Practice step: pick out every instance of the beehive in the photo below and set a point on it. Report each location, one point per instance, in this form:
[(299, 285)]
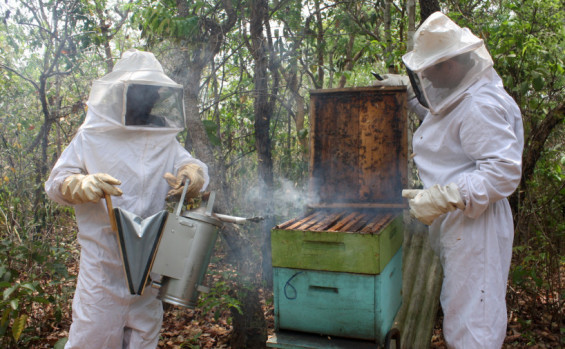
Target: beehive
[(343, 257)]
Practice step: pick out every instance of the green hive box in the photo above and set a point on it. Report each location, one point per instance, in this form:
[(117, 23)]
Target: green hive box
[(338, 304), (337, 251)]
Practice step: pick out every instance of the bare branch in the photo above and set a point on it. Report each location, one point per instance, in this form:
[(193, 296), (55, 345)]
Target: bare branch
[(3, 66)]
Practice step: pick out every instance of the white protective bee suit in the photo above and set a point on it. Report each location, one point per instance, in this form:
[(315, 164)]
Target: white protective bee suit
[(471, 138), (105, 314)]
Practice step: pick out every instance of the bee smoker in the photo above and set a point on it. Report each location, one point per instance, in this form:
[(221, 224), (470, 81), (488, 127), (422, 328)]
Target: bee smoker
[(176, 246), (184, 253), (185, 249)]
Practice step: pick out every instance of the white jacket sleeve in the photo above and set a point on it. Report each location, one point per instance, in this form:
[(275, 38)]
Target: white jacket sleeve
[(488, 138), (415, 107), (70, 162)]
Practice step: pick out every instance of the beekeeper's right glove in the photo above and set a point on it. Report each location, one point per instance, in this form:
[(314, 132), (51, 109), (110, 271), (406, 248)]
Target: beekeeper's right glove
[(193, 173), (396, 80), (428, 204), (79, 188)]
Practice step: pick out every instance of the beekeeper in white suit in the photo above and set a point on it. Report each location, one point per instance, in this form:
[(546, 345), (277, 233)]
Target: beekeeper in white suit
[(468, 151), (128, 139)]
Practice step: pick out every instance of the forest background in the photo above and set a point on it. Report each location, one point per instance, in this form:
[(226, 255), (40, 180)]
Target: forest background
[(247, 67)]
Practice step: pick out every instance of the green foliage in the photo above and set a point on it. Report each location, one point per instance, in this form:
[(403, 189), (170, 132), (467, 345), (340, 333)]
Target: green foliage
[(538, 262), (161, 19), (307, 50), (527, 43), (211, 130), (32, 264), (24, 267), (220, 298), (192, 342), (60, 343)]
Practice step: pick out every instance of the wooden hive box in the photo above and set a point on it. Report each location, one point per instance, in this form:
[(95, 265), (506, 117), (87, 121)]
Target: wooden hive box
[(358, 147), (343, 241), (338, 304), (358, 164)]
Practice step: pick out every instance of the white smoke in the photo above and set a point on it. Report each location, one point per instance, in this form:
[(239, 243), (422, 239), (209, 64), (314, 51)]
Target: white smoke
[(289, 198)]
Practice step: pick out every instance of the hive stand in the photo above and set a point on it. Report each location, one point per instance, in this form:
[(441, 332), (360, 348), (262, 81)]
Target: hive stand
[(291, 340)]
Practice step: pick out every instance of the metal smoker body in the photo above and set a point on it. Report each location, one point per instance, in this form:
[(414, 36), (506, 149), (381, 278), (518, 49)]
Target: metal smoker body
[(184, 253), (176, 246)]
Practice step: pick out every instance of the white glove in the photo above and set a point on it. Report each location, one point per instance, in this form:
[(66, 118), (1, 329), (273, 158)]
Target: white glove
[(396, 80), (428, 204), (193, 173), (78, 188)]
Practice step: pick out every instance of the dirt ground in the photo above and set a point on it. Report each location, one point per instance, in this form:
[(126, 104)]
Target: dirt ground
[(193, 329), (528, 327)]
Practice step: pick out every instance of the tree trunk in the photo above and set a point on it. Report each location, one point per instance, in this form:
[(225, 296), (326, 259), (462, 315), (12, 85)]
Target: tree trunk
[(388, 36), (319, 81), (300, 115), (239, 251), (262, 112), (411, 10), (249, 327), (427, 7), (533, 150), (537, 139), (350, 59)]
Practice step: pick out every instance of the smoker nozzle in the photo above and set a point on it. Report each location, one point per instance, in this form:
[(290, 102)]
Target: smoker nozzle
[(236, 220), (255, 219)]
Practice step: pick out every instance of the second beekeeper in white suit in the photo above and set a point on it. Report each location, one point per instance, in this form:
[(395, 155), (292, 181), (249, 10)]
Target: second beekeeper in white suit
[(468, 151), (124, 148)]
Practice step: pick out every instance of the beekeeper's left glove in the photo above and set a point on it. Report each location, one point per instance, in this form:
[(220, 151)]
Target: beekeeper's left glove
[(428, 204), (193, 173), (396, 80), (79, 188)]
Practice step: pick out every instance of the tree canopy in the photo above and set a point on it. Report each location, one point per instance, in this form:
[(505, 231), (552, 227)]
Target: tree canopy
[(247, 67)]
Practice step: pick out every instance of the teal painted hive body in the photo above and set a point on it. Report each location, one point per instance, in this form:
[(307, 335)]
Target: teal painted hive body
[(338, 304)]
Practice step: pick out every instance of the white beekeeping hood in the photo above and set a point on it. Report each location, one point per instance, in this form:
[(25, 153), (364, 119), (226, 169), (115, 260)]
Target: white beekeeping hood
[(108, 101), (437, 40)]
